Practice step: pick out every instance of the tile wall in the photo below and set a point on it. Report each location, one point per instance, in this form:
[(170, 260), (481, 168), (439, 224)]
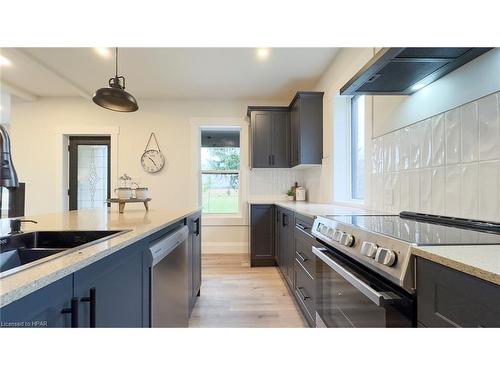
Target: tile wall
[(269, 184), (448, 164)]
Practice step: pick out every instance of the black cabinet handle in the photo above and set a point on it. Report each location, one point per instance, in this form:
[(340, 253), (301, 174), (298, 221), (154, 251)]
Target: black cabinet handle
[(197, 223), (301, 257), (302, 295), (269, 160), (284, 220), (300, 226), (272, 158), (92, 300), (73, 310)]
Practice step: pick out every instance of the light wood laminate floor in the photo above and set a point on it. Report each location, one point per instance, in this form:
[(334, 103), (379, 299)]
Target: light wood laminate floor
[(235, 295)]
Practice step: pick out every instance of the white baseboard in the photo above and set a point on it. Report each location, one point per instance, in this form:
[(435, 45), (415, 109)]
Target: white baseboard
[(224, 247)]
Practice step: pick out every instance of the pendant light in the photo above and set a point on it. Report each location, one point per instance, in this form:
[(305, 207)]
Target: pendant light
[(115, 97)]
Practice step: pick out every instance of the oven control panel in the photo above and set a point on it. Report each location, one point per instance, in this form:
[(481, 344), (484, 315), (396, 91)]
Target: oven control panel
[(336, 235), (386, 255)]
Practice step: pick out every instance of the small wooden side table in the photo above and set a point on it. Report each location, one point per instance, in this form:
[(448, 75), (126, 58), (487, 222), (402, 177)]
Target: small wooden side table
[(122, 202)]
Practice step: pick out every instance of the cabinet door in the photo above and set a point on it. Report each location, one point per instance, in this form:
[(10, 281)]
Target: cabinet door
[(277, 222), (295, 133), (194, 277), (42, 308), (287, 245), (262, 235), (280, 140), (117, 282), (261, 123)]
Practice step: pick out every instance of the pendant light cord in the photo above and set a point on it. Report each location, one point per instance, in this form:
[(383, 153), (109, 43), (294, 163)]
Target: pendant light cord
[(116, 61)]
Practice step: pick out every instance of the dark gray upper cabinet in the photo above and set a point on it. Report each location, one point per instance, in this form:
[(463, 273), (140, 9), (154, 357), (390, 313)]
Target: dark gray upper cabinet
[(270, 130), (117, 284), (47, 307), (306, 124), (284, 137), (449, 298), (262, 235)]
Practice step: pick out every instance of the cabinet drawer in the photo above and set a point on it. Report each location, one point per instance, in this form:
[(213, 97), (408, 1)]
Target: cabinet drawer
[(304, 254), (304, 223), (305, 292), (449, 298)]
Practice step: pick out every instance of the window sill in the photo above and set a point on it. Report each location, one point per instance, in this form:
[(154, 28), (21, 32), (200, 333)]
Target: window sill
[(351, 203), (224, 219)]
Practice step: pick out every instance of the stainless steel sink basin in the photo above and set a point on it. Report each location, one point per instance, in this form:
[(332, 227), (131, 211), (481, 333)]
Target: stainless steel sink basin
[(23, 250)]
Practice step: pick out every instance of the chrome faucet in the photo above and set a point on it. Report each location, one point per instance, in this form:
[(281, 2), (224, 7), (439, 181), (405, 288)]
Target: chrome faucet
[(15, 225)]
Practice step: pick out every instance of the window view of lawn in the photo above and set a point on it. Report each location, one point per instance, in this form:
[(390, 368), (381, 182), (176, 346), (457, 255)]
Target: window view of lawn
[(220, 179)]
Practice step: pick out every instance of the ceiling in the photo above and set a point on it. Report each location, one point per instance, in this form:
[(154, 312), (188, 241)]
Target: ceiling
[(174, 73)]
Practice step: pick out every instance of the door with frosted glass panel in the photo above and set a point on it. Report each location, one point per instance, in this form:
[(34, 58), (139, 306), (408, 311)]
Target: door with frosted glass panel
[(89, 172)]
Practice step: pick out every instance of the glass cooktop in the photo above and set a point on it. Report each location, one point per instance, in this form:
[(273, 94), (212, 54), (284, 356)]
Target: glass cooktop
[(421, 233)]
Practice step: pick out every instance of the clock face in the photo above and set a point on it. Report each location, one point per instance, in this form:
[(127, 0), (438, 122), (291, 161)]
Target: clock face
[(152, 161)]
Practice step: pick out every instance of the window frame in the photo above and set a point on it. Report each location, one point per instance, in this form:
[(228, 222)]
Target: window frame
[(239, 213), (351, 159)]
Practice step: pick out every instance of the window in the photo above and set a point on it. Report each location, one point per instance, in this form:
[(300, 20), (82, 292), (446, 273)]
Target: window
[(357, 148), (220, 171)]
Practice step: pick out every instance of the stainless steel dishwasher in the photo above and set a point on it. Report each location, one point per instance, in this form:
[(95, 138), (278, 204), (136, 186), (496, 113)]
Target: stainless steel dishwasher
[(169, 280)]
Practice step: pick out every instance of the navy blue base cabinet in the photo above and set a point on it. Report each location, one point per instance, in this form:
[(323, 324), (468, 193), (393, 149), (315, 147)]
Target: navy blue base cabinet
[(110, 291), (47, 307)]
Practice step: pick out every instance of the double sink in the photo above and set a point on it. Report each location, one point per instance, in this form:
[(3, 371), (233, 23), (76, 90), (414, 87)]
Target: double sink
[(20, 251)]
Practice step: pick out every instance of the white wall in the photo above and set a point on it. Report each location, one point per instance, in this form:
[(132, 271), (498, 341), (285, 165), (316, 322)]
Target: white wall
[(39, 154), (4, 108)]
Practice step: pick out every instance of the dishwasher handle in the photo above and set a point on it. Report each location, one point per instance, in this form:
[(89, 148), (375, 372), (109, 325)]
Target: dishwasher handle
[(165, 245)]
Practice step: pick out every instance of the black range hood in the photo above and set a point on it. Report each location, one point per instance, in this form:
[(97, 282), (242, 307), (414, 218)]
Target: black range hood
[(402, 71)]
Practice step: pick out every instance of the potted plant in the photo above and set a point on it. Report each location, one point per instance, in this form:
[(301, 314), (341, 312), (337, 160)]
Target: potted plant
[(290, 194)]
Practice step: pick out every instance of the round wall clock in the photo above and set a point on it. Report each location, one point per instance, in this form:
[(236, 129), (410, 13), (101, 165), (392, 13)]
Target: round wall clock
[(152, 160)]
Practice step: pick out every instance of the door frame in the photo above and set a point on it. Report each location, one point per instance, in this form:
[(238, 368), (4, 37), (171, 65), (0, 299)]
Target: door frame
[(74, 142)]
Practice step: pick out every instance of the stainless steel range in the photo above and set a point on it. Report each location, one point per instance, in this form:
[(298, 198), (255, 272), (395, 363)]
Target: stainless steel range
[(365, 271)]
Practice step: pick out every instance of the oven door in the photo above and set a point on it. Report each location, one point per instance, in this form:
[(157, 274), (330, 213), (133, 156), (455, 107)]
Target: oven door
[(348, 295)]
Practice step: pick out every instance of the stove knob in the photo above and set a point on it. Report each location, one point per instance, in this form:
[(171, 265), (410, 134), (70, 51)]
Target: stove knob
[(385, 256), (347, 239), (369, 249)]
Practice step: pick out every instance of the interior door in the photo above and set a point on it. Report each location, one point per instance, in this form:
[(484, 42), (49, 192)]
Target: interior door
[(89, 172)]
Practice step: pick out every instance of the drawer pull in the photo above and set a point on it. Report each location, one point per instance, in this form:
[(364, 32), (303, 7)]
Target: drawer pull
[(301, 257), (302, 295)]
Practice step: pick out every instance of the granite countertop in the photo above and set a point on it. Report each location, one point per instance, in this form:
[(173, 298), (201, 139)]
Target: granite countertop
[(141, 224), (482, 261), (318, 209)]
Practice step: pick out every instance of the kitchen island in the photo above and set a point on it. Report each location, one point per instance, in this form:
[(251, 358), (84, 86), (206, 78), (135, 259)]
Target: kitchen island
[(140, 229)]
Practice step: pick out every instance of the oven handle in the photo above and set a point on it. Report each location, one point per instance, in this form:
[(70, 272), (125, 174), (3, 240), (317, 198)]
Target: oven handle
[(364, 288)]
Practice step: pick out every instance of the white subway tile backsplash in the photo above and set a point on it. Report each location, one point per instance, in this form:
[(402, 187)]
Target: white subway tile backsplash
[(438, 186), (453, 190), (414, 191), (448, 164), (488, 191), (438, 140), (470, 186), (425, 190), (426, 151), (489, 138), (404, 154), (404, 191), (470, 132), (416, 138), (453, 136)]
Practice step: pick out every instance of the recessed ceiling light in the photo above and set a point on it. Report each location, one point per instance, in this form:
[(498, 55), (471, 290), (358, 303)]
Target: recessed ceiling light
[(103, 52), (4, 61), (263, 53)]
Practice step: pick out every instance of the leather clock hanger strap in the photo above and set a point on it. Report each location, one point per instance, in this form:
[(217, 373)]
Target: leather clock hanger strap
[(153, 135)]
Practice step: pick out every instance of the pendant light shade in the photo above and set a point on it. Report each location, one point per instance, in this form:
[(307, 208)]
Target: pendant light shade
[(114, 97)]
